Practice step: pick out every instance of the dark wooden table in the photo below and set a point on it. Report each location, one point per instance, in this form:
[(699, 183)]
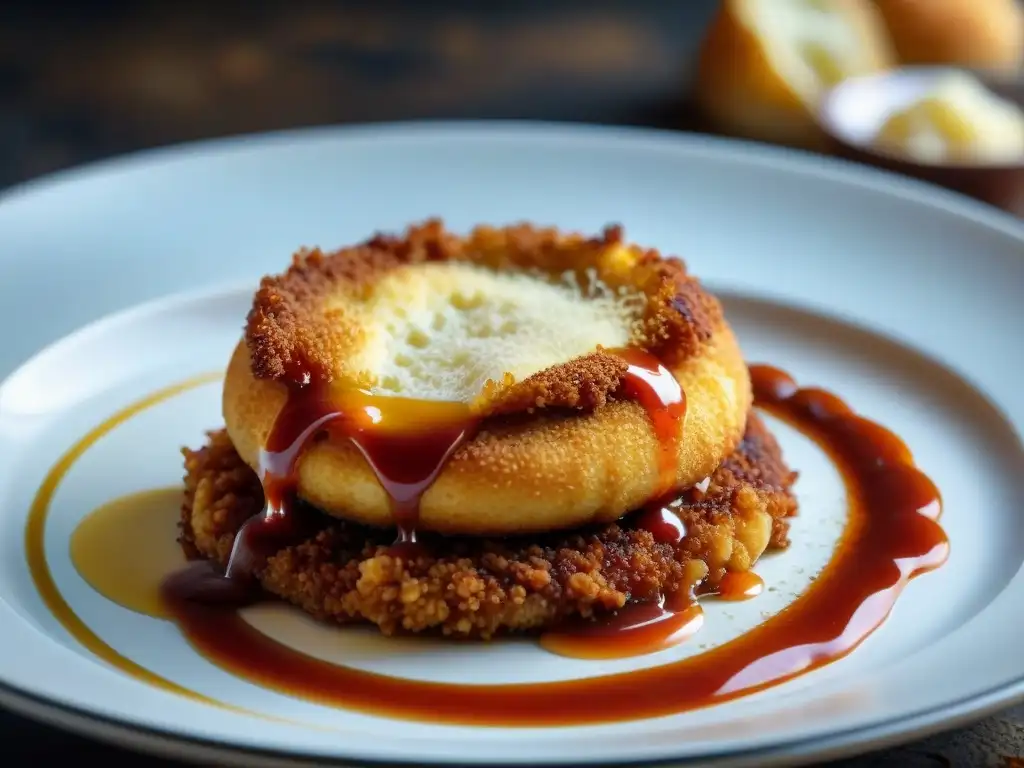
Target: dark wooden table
[(85, 81)]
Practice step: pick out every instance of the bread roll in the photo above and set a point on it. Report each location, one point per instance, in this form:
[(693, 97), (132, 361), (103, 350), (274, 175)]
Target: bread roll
[(969, 33), (764, 66)]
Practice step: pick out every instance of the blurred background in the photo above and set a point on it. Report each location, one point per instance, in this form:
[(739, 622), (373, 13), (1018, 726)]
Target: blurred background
[(81, 81)]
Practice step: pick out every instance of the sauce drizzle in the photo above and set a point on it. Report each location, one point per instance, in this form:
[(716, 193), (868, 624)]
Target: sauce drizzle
[(653, 386), (405, 442), (734, 586), (637, 629), (662, 523), (892, 536)]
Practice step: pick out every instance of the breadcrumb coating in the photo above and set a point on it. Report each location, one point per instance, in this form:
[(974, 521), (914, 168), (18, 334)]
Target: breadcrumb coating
[(295, 333), (584, 383), (471, 587)]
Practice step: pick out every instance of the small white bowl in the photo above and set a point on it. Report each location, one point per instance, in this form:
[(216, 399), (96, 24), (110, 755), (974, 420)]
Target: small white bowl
[(853, 112)]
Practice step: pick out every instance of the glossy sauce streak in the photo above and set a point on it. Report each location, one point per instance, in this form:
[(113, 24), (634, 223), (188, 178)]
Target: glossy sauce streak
[(638, 629), (644, 628), (735, 585), (405, 442), (653, 386), (662, 523), (892, 535)]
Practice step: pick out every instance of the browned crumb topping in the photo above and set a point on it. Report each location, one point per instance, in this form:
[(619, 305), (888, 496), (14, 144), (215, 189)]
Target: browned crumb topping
[(293, 338), (477, 587), (755, 474), (584, 383)]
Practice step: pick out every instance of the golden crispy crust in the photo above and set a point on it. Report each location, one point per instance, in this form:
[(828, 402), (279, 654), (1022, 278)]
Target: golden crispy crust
[(478, 587), (741, 90), (293, 337), (542, 459), (522, 472), (585, 383)]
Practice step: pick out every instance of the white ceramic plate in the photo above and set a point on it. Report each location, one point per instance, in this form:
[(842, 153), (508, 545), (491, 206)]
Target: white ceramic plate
[(904, 300)]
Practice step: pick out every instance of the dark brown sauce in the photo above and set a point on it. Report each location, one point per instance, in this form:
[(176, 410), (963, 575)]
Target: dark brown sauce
[(662, 523), (642, 628), (735, 585), (405, 442), (891, 537), (652, 385), (131, 575), (636, 630)]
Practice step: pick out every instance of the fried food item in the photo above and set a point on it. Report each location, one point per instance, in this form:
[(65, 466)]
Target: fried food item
[(519, 322), (481, 587), (987, 34), (763, 67)]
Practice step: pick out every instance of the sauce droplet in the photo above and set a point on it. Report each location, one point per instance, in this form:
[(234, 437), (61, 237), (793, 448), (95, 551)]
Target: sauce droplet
[(405, 442), (892, 536), (662, 522), (635, 630), (735, 585), (649, 383)]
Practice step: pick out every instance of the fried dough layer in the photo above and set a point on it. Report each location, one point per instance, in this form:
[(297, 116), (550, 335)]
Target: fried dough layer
[(518, 322), (481, 587)]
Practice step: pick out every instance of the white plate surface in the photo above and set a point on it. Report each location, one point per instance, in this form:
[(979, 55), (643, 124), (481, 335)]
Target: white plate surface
[(904, 300)]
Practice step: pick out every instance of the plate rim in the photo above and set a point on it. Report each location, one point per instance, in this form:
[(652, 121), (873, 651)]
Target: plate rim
[(168, 743), (794, 160), (615, 138)]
